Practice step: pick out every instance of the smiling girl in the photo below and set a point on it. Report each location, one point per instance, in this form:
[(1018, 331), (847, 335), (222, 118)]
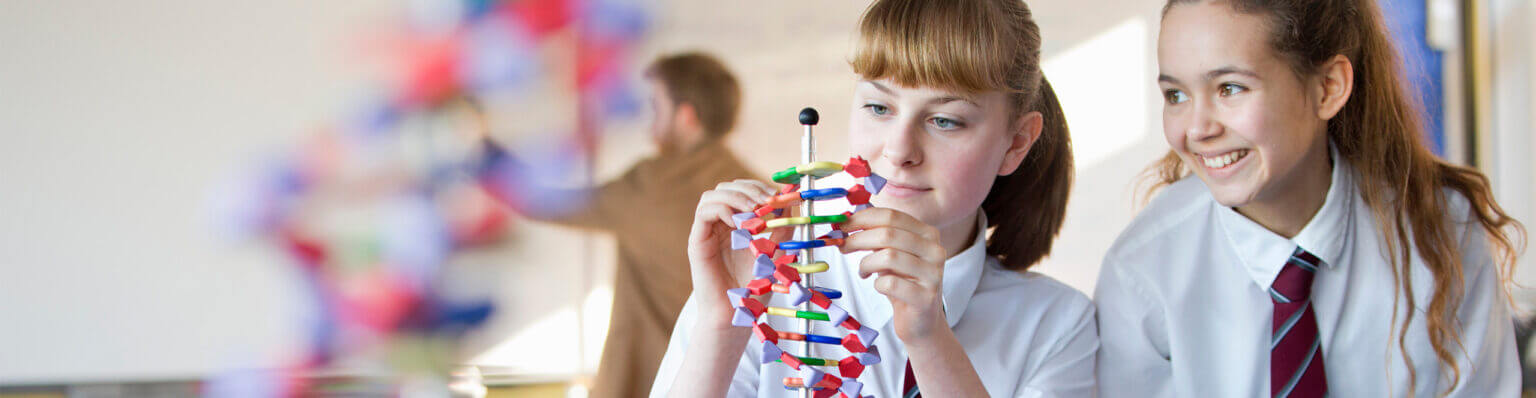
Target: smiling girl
[(952, 108), (1320, 248)]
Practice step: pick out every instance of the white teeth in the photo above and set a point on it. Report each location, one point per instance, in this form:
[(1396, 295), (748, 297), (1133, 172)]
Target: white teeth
[(1223, 160)]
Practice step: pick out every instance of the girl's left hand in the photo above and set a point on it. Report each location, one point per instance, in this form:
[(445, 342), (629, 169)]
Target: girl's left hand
[(909, 259)]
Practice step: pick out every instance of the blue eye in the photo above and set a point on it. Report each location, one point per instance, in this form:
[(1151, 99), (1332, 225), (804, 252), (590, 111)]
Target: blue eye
[(1175, 97), (877, 109), (945, 123), (1229, 89)]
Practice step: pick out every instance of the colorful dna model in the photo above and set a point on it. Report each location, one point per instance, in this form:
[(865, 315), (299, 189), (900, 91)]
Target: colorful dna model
[(792, 274)]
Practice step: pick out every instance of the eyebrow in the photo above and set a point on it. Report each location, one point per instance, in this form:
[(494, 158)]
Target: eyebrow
[(1213, 74), (1226, 70), (940, 100), (949, 99), (881, 87)]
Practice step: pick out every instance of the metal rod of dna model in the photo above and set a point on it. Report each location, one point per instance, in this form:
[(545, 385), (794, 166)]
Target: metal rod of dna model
[(808, 118)]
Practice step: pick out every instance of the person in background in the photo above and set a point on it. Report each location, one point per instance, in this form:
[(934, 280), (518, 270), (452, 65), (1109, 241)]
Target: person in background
[(649, 209)]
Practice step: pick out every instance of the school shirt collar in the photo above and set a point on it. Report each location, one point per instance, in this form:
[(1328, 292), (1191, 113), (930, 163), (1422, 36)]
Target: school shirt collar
[(1263, 253), (962, 273)]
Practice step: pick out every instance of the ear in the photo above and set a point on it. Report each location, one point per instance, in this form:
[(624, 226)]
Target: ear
[(686, 117), (1337, 82), (1026, 131)]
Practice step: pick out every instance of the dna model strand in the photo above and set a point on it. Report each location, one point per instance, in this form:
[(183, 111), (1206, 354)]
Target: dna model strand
[(792, 274)]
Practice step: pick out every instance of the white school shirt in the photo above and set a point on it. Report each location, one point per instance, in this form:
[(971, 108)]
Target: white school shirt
[(1184, 308), (1027, 335)]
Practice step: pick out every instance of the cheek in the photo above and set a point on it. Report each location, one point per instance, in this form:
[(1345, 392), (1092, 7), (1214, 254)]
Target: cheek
[(1174, 127), (863, 138), (1262, 130), (973, 169)]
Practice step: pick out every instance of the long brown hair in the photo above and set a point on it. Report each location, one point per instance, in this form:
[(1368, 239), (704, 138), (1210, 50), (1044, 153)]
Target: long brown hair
[(1379, 132), (980, 46)]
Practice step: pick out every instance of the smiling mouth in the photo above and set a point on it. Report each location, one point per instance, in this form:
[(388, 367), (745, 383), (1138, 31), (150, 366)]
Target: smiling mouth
[(1222, 160)]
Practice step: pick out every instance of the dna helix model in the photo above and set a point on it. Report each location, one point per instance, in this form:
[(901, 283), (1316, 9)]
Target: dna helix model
[(792, 275)]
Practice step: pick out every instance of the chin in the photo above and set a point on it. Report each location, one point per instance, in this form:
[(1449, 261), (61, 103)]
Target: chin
[(891, 203), (1232, 196), (1233, 189), (901, 205)]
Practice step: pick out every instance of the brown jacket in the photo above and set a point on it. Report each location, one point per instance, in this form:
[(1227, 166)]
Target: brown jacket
[(649, 210)]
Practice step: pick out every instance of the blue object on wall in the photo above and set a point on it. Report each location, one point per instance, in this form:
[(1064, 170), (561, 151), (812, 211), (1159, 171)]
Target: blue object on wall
[(1407, 20)]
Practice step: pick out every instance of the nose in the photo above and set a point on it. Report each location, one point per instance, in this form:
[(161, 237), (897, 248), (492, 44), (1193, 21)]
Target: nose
[(901, 148), (1203, 124)]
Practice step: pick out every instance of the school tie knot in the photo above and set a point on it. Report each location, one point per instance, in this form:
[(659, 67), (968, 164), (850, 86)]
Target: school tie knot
[(1294, 284)]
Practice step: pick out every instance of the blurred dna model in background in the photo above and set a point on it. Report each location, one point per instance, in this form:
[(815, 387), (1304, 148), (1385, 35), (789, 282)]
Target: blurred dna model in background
[(372, 209)]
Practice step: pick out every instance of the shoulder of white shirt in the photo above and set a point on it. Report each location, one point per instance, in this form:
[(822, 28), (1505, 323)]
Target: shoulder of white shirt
[(1032, 287), (1459, 213), (1174, 206)]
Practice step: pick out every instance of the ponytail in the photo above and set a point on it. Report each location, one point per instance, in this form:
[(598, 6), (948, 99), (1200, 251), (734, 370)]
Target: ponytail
[(1027, 207)]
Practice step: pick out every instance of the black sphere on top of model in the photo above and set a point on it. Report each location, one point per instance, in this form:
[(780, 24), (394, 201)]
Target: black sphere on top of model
[(809, 117)]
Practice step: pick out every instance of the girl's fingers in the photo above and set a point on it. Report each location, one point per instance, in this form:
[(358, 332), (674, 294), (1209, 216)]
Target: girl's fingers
[(723, 214), (747, 191), (736, 201), (761, 187), (741, 195), (876, 217), (903, 290), (700, 231), (717, 205), (895, 238), (890, 262), (704, 222), (752, 188)]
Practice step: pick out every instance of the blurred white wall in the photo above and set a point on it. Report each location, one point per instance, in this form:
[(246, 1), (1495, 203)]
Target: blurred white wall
[(118, 118), (1510, 124)]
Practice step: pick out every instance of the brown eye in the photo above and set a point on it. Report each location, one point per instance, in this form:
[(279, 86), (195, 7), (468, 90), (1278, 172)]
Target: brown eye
[(1230, 89), (1175, 97)]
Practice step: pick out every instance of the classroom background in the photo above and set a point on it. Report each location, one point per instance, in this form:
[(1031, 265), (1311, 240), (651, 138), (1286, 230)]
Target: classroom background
[(134, 260)]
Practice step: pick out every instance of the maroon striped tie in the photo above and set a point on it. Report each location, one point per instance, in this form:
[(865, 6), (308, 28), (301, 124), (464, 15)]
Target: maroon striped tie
[(909, 383), (1295, 350)]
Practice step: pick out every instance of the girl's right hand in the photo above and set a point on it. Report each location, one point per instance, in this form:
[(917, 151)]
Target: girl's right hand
[(713, 265)]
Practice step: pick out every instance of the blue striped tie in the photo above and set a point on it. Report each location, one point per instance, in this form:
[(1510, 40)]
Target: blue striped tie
[(1295, 350)]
